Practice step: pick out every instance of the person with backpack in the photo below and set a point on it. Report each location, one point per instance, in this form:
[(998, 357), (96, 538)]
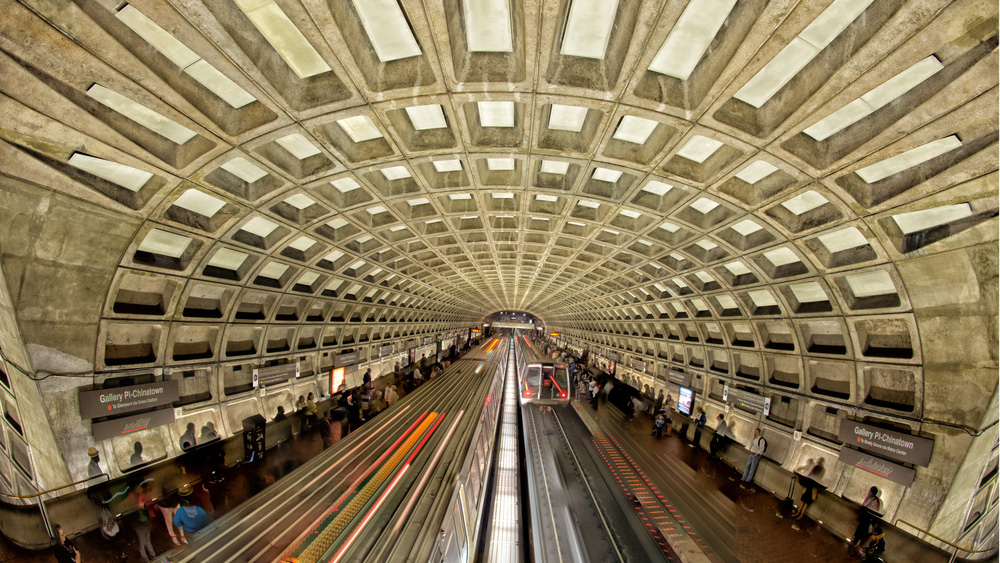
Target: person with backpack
[(758, 445)]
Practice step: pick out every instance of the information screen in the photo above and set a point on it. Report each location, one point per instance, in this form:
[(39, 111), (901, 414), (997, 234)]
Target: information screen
[(685, 401)]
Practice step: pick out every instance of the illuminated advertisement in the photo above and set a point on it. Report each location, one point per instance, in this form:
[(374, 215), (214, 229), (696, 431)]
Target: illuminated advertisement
[(685, 401), (336, 379)]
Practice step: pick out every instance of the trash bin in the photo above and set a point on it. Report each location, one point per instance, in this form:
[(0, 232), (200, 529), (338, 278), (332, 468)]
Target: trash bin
[(254, 438)]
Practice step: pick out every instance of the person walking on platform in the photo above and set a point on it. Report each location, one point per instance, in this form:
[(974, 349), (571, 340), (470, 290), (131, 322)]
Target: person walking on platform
[(721, 433), (811, 486), (391, 396), (699, 422), (595, 393), (658, 403), (141, 523), (757, 447)]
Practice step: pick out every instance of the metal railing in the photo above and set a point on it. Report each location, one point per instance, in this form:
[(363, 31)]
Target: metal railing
[(956, 547), (41, 501)]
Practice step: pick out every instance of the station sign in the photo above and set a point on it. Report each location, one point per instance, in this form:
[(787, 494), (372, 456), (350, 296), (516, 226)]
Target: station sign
[(613, 356), (747, 400), (891, 471), (638, 364), (121, 400), (427, 340), (554, 334), (678, 377), (341, 360), (889, 444), (386, 349), (476, 331), (412, 343), (273, 375), (129, 424)]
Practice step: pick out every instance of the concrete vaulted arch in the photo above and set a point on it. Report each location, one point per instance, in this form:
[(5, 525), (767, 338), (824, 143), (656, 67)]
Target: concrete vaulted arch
[(796, 197)]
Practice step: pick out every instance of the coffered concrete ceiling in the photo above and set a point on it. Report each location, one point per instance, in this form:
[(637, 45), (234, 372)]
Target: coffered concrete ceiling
[(794, 195)]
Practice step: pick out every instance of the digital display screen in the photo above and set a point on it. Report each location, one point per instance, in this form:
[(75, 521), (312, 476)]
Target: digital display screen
[(613, 368), (685, 401)]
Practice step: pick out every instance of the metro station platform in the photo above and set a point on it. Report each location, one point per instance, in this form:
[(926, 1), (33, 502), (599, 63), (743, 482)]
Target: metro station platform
[(705, 494)]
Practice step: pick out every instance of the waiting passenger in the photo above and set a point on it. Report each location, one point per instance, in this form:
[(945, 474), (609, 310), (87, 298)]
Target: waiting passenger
[(311, 410), (699, 422), (136, 458), (300, 404), (64, 550), (281, 414), (658, 425), (718, 441), (190, 518), (868, 514)]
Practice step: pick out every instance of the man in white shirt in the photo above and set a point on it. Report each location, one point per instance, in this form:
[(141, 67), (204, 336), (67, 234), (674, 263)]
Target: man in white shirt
[(757, 446), (721, 433)]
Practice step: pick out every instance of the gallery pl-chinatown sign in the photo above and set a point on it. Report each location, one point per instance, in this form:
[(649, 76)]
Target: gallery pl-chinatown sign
[(889, 444), (122, 400)]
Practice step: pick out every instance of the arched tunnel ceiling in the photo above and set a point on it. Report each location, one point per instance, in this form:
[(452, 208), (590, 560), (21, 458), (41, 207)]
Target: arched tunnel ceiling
[(782, 178)]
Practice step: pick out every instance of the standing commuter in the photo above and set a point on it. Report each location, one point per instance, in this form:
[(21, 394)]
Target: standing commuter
[(64, 550), (868, 514), (721, 433), (390, 395), (658, 403), (699, 422), (141, 522), (658, 425), (757, 446)]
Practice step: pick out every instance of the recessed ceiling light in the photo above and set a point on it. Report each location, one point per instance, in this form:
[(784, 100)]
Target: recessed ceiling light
[(273, 270), (487, 25), (874, 99), (554, 167), (164, 243), (459, 197), (631, 214), (704, 205), (762, 298), (418, 201), (670, 227), (244, 170), (588, 28), (756, 172), (588, 204), (359, 128), (298, 146), (567, 118), (395, 173), (302, 244), (699, 148), (496, 114), (805, 202), (843, 239), (448, 165), (185, 58), (916, 221), (500, 164), (337, 223), (896, 164), (131, 179), (363, 239), (307, 279), (546, 197), (706, 245), (142, 115), (260, 226), (376, 210), (345, 184), (502, 195), (800, 51), (634, 129), (300, 201), (746, 227), (227, 259), (199, 202), (689, 39), (781, 256), (387, 28), (871, 284), (426, 117), (657, 188), (606, 175), (284, 37), (809, 292), (737, 268)]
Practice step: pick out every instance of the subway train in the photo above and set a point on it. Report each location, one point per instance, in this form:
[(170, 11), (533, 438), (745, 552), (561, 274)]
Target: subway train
[(540, 380)]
